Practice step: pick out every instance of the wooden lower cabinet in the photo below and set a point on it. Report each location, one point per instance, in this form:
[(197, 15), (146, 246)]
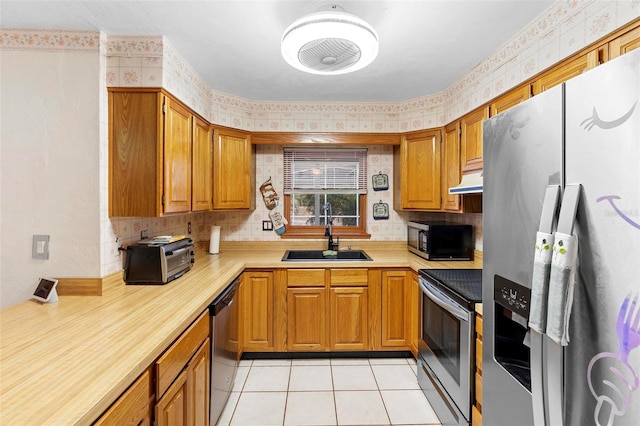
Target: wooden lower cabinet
[(182, 378), (306, 319), (256, 311), (348, 319), (327, 310), (186, 402), (172, 408), (394, 309), (133, 407), (198, 378)]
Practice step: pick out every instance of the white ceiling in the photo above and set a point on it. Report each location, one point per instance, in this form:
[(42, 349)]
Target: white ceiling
[(425, 45)]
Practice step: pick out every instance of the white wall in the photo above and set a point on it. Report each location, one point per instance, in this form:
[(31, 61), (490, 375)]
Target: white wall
[(49, 177)]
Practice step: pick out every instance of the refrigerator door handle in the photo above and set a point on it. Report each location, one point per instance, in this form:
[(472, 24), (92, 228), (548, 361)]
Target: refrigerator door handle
[(538, 395), (569, 208), (553, 352)]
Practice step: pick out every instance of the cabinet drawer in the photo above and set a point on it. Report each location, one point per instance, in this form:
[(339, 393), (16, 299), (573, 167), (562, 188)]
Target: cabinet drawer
[(305, 278), (349, 278), (133, 407), (174, 360)]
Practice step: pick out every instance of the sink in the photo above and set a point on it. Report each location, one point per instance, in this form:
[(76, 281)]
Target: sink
[(317, 256)]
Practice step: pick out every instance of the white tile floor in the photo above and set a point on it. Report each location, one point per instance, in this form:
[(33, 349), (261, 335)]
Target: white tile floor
[(367, 391)]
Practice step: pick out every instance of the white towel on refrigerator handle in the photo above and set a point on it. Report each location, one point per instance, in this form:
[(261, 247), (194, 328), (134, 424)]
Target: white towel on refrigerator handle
[(540, 281), (561, 287)]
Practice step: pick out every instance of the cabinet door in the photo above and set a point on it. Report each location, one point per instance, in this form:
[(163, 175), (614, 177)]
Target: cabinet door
[(471, 139), (510, 99), (451, 174), (418, 162), (173, 408), (306, 319), (394, 307), (564, 71), (202, 163), (348, 318), (257, 311), (135, 153), (198, 378), (177, 158), (133, 407), (233, 180), (625, 43)]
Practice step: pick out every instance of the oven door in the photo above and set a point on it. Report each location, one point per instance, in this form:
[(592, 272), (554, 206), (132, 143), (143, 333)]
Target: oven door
[(445, 347)]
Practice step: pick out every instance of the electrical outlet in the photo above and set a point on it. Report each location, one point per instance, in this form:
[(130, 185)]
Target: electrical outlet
[(188, 227), (144, 234), (267, 225)]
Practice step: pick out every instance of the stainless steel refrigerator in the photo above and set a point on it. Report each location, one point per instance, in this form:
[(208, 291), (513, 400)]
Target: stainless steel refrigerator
[(567, 159)]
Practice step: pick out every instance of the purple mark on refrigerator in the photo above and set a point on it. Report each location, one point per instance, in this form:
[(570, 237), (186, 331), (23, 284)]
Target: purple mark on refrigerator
[(620, 213), (595, 120), (611, 378)]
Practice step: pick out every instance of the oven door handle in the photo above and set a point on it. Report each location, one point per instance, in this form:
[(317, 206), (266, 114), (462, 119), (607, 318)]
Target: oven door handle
[(456, 311)]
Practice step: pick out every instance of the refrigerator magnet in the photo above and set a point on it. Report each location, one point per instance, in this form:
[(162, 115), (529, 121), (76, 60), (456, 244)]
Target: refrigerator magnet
[(380, 182), (380, 210)]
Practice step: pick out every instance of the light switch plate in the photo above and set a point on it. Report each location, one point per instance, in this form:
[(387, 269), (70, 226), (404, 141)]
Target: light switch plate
[(40, 247)]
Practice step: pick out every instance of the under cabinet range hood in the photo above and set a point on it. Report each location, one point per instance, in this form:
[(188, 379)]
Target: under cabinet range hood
[(471, 183)]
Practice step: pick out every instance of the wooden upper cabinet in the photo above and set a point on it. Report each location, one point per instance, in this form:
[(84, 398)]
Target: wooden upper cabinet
[(625, 43), (233, 170), (149, 154), (135, 153), (417, 171), (510, 99), (202, 166), (451, 173), (177, 157), (565, 70), (471, 139)]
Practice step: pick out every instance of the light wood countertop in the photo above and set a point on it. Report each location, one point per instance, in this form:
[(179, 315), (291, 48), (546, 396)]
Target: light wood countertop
[(66, 362)]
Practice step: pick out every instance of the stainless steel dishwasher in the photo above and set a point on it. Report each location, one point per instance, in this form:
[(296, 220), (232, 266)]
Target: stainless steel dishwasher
[(224, 348)]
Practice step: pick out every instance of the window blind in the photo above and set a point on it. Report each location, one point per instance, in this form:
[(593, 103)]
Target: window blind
[(313, 170)]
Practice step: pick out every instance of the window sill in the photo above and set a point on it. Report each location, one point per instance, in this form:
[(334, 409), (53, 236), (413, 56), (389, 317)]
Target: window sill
[(296, 234)]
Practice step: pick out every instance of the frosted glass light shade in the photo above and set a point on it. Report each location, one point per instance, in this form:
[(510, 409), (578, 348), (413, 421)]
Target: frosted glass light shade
[(329, 43)]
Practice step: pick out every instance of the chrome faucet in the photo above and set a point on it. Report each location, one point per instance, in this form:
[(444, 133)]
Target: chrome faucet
[(328, 232)]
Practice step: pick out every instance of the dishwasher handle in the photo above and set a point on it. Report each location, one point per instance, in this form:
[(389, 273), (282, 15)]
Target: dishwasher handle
[(225, 299)]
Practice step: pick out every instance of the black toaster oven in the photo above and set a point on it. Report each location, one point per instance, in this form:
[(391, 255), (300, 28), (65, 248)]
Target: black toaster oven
[(158, 262)]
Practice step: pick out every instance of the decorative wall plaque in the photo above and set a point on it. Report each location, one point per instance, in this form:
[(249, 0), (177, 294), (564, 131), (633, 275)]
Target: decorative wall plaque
[(380, 182)]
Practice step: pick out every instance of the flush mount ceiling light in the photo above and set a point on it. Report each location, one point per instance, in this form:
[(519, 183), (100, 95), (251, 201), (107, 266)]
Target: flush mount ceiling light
[(329, 43)]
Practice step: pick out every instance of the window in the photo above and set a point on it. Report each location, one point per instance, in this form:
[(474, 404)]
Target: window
[(317, 178)]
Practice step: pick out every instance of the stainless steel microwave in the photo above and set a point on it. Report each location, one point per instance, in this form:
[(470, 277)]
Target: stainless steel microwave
[(440, 240)]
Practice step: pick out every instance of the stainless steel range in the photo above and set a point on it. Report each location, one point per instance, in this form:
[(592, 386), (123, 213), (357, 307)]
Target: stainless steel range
[(446, 347)]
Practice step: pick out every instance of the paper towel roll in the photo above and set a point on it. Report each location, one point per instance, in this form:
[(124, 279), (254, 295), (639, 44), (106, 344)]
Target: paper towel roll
[(214, 240)]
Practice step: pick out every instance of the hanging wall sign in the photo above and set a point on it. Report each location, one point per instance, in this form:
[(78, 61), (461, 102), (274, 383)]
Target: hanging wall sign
[(380, 210), (380, 182)]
